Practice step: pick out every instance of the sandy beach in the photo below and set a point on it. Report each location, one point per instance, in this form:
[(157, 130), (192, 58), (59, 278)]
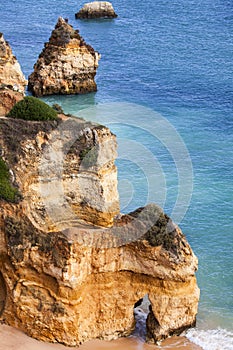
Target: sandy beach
[(13, 339)]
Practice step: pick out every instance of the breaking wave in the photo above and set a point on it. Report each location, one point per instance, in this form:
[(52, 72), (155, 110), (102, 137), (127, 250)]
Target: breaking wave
[(212, 339)]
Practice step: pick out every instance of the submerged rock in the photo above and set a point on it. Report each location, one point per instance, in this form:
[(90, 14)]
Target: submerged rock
[(72, 268), (96, 9), (67, 65)]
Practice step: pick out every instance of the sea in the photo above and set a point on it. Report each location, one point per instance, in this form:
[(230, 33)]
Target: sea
[(165, 88)]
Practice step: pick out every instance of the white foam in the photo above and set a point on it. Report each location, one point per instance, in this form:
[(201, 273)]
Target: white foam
[(212, 339)]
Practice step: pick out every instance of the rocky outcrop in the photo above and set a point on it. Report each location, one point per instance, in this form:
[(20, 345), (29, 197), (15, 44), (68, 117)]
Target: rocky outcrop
[(11, 75), (71, 267), (8, 98), (12, 81), (79, 158), (96, 9), (67, 65)]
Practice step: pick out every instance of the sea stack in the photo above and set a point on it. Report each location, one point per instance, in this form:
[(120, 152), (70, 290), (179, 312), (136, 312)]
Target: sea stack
[(96, 9), (66, 65), (12, 80), (73, 268)]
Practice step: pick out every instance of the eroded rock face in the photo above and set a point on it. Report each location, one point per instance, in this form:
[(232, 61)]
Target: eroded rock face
[(11, 75), (79, 158), (66, 279), (96, 9), (8, 98), (67, 65), (12, 81)]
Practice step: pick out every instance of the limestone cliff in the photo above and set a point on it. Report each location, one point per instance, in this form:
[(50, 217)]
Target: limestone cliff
[(10, 71), (12, 81), (67, 65), (96, 9), (71, 267)]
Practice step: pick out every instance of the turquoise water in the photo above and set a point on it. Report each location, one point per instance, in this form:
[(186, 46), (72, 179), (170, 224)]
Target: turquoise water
[(175, 60)]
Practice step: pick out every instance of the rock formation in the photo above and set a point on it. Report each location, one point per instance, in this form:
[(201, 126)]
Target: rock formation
[(66, 65), (12, 81), (11, 75), (71, 267), (8, 98), (96, 9)]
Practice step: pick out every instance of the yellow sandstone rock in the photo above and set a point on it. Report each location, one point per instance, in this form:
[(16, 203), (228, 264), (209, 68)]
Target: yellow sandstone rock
[(67, 65), (72, 268), (10, 71), (12, 80)]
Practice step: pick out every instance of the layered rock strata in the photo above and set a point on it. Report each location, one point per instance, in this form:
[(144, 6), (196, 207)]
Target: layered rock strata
[(72, 268), (67, 65), (96, 9)]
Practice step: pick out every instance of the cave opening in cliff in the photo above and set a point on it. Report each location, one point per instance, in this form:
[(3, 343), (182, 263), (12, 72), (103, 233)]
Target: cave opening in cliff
[(141, 310), (2, 293)]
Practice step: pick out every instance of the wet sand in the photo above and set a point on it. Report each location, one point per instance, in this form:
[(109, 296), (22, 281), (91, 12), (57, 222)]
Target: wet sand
[(13, 339)]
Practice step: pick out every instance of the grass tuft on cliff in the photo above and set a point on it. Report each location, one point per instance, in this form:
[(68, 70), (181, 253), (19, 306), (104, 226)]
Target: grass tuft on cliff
[(7, 191), (31, 108)]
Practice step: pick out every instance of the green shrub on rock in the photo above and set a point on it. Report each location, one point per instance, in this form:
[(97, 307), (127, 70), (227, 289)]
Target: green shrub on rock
[(31, 108), (7, 191)]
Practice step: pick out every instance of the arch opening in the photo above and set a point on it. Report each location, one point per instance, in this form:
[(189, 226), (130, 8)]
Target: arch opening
[(141, 311), (2, 294)]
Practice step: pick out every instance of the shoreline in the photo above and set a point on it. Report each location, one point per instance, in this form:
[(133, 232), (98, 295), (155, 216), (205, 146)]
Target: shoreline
[(14, 339)]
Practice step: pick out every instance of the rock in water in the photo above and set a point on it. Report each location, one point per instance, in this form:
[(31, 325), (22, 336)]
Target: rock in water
[(96, 9), (12, 80), (72, 268), (67, 65)]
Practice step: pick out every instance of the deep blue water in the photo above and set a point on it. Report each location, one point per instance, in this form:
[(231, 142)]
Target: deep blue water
[(174, 58)]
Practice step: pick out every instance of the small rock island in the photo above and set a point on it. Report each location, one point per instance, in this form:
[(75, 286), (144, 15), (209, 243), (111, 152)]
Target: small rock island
[(66, 65), (96, 9), (72, 267)]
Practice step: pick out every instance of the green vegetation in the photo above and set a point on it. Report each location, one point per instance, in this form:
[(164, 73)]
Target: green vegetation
[(7, 191), (31, 108)]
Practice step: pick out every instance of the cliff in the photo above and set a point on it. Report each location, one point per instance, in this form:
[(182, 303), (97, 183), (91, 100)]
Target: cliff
[(10, 71), (12, 81), (67, 65), (72, 268)]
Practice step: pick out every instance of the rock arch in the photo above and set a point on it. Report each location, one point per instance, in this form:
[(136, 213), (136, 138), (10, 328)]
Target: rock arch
[(141, 311)]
